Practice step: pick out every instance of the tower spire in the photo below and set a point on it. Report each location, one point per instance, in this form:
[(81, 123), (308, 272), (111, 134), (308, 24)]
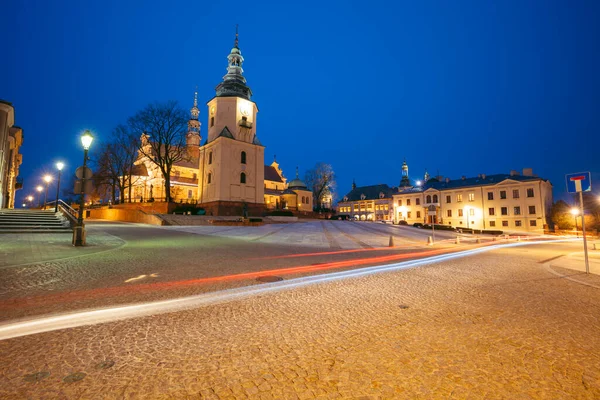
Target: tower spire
[(236, 42), (234, 83)]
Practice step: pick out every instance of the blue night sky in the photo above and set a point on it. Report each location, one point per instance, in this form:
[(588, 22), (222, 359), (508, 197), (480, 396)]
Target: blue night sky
[(457, 87)]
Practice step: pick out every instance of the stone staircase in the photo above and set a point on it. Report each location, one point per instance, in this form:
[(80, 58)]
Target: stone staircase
[(32, 221)]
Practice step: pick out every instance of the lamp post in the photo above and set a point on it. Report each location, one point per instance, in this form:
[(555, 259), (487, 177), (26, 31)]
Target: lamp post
[(467, 209), (47, 179), (575, 213), (59, 166), (79, 231), (39, 189)]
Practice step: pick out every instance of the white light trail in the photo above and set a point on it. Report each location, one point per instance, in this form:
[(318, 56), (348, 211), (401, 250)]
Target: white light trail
[(91, 317)]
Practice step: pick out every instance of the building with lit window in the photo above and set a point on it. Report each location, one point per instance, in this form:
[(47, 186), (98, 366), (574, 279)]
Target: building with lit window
[(508, 202), (11, 139), (368, 203)]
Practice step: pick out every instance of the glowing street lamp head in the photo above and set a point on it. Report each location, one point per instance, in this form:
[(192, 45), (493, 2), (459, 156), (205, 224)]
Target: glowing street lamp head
[(574, 211), (39, 188), (60, 165), (30, 198), (47, 178), (86, 139)]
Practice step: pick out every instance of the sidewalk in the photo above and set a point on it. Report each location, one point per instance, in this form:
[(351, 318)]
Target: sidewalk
[(27, 248)]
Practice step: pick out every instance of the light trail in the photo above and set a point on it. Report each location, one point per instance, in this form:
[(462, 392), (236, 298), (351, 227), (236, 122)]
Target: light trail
[(91, 317)]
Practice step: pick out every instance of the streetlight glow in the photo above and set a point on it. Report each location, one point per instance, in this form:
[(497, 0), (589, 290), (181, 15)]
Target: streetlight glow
[(60, 165), (418, 183), (86, 139), (48, 179), (574, 211)]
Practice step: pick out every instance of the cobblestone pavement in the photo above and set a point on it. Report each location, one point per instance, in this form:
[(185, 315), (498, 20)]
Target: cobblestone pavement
[(494, 325)]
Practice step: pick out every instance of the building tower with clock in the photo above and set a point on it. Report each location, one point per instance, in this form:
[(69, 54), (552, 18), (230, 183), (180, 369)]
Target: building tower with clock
[(231, 161)]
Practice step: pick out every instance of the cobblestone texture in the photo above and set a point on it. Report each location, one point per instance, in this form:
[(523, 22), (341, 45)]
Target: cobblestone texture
[(497, 325)]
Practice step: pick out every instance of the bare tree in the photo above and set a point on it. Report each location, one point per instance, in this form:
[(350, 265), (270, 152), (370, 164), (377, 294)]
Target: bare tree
[(165, 125), (321, 180)]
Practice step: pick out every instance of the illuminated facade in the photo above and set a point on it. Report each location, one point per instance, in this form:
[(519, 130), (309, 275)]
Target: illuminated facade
[(368, 203), (11, 139), (280, 194), (507, 202)]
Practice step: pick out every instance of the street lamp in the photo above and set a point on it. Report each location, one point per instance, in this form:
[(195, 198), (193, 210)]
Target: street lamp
[(466, 210), (59, 166), (47, 179), (39, 189), (79, 231), (575, 213)]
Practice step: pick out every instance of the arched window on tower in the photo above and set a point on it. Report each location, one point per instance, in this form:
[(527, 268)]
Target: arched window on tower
[(210, 157), (243, 157), (242, 178), (209, 179)]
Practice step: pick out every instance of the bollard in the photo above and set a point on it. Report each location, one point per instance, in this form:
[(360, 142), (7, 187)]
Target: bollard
[(458, 240), (391, 241), (429, 241), (478, 240), (518, 238), (594, 248)]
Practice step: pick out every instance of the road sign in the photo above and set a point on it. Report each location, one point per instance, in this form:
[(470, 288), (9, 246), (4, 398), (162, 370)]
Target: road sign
[(580, 182), (89, 186), (79, 173)]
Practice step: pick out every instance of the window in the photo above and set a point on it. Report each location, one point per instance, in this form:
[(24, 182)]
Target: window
[(492, 224), (491, 211), (243, 157), (209, 179), (460, 212), (418, 214), (449, 213), (517, 210), (448, 199), (195, 176), (504, 223), (212, 121), (530, 194), (377, 207), (435, 198), (408, 214), (531, 209), (190, 193), (533, 222), (517, 223), (210, 157), (503, 196), (242, 178), (428, 199), (490, 195), (459, 198), (408, 202), (356, 207), (400, 202), (471, 196), (418, 201), (515, 193), (504, 210)]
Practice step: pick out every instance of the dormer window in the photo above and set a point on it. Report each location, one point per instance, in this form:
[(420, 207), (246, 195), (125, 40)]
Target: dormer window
[(381, 195), (362, 197), (345, 198)]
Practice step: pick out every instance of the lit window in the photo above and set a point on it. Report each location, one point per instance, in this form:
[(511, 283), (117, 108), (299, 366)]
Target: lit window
[(471, 196), (408, 202), (408, 214), (530, 194), (515, 193), (448, 199), (449, 213), (459, 198), (531, 209), (533, 222), (460, 212), (490, 195), (212, 121), (418, 214), (517, 210), (503, 196), (492, 211)]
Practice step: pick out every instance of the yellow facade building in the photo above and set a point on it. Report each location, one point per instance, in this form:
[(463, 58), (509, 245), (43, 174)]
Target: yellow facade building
[(11, 139)]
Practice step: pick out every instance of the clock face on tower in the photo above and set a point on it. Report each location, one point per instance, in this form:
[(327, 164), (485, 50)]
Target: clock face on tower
[(245, 109)]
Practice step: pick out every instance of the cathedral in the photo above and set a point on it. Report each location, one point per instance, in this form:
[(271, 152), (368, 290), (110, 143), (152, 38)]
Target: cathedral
[(225, 175)]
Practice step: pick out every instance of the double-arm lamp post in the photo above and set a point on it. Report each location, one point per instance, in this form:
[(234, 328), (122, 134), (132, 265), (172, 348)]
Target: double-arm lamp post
[(79, 231), (59, 166)]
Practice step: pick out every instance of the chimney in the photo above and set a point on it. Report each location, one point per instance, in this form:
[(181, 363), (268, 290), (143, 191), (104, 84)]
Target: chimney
[(513, 173), (527, 171)]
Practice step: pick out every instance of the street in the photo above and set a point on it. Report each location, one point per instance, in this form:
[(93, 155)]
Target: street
[(300, 311)]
